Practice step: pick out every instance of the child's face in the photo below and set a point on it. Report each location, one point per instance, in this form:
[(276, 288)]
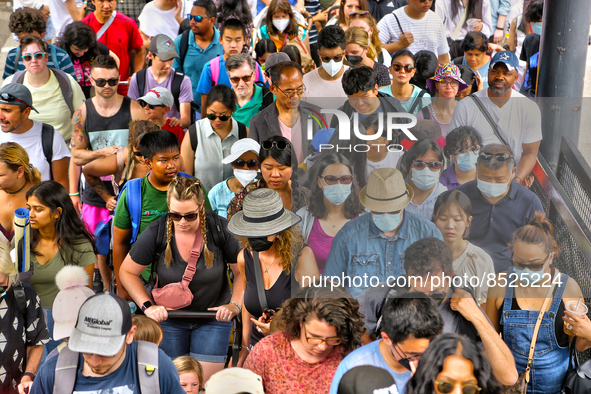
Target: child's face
[(165, 165), (156, 114), (189, 382), (232, 41)]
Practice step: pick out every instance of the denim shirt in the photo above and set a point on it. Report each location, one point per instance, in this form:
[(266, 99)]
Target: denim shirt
[(361, 251)]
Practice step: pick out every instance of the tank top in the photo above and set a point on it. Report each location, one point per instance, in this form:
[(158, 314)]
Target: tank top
[(105, 131)]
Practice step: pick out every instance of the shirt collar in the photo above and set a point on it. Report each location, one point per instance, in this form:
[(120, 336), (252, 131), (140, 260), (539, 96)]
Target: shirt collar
[(214, 41), (209, 130)]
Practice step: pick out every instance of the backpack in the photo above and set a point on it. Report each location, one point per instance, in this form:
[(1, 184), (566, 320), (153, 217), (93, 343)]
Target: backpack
[(193, 134), (267, 96), (47, 133), (184, 48), (215, 70), (147, 366), (418, 99), (177, 81), (63, 81), (133, 203)]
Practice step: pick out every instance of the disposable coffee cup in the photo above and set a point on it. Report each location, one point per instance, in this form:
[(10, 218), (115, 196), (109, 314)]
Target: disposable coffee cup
[(471, 23), (571, 306)]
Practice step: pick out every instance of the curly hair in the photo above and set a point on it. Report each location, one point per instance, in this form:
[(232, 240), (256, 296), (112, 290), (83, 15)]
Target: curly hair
[(433, 360), (289, 245), (428, 255), (336, 307), (81, 35), (457, 140), (26, 20)]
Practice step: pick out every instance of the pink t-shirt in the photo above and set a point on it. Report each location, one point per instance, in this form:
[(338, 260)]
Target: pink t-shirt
[(283, 371), (294, 134)]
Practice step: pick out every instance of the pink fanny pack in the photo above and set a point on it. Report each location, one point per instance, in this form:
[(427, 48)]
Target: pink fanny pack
[(177, 295)]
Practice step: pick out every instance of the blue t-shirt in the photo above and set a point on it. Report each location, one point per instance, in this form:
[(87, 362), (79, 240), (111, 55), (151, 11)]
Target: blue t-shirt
[(482, 70), (368, 355), (206, 82), (123, 380)]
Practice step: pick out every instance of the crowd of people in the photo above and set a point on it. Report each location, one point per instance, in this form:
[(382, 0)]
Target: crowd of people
[(342, 187)]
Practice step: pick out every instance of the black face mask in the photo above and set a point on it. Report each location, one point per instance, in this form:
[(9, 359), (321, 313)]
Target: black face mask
[(260, 244), (354, 61)]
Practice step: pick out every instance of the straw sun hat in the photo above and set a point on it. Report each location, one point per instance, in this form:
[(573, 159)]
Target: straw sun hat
[(386, 191)]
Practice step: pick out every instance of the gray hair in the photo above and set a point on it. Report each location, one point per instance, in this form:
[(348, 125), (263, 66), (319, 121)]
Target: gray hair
[(494, 164), (238, 60)]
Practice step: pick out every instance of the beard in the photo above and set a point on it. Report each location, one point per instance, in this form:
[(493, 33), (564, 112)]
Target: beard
[(499, 91)]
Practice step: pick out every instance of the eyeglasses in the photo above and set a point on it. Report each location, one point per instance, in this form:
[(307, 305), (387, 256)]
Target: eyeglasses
[(189, 217), (355, 14), (246, 78), (28, 58), (446, 387), (317, 341), (101, 82), (433, 165), (291, 93), (268, 145), (448, 83), (406, 360), (9, 98), (499, 156), (534, 267), (223, 118), (143, 104), (196, 18), (251, 164), (326, 59), (332, 180), (398, 67)]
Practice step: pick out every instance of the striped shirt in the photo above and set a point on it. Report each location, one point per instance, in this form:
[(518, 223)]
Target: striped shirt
[(428, 32), (62, 60), (313, 7)]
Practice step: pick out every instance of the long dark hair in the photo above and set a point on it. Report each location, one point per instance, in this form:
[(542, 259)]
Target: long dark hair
[(285, 7), (440, 348), (81, 35), (70, 229), (474, 9), (237, 9)]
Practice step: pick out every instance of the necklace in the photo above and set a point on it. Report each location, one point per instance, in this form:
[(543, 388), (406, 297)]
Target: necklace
[(269, 266), (525, 299), (15, 193)]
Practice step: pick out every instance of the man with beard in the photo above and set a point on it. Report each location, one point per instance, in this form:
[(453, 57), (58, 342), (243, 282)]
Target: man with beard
[(251, 97), (101, 128), (502, 115)]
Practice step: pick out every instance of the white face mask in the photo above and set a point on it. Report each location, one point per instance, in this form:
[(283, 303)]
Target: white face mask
[(332, 67), (280, 24), (245, 176)]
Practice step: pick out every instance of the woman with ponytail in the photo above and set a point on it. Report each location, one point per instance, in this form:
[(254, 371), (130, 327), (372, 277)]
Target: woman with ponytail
[(514, 303), (17, 176), (169, 242)]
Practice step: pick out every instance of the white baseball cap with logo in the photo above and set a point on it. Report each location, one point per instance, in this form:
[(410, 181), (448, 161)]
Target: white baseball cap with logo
[(158, 96), (103, 323)]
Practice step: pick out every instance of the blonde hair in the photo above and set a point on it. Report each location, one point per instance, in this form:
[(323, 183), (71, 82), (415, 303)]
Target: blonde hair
[(6, 265), (137, 129), (288, 245), (375, 45), (356, 35), (14, 156), (187, 364), (147, 329), (182, 189)]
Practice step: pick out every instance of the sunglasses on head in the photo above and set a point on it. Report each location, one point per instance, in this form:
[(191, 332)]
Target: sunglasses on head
[(196, 18), (447, 387), (356, 14), (223, 118), (433, 165), (499, 156), (101, 82), (332, 180), (251, 164), (246, 78), (398, 67), (189, 217), (143, 104), (268, 145), (9, 98), (38, 56)]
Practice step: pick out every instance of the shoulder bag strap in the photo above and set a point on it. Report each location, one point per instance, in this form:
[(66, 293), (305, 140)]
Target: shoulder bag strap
[(398, 21), (418, 99), (488, 118), (259, 277), (192, 265), (193, 136), (147, 361), (460, 24), (107, 24), (65, 371)]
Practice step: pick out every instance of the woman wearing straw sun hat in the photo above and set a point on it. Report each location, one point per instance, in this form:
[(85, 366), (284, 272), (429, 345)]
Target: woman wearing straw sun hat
[(274, 260)]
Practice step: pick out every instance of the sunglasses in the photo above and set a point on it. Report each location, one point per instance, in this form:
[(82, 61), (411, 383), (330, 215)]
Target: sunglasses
[(433, 165), (336, 58), (9, 98), (279, 145), (246, 78), (499, 156), (446, 387), (534, 267), (251, 164), (405, 361), (196, 18), (398, 67), (137, 153), (223, 118), (38, 56), (143, 104), (189, 217), (356, 14), (101, 82), (332, 180)]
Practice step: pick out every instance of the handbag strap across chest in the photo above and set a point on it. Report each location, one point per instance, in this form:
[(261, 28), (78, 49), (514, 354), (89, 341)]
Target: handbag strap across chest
[(194, 257)]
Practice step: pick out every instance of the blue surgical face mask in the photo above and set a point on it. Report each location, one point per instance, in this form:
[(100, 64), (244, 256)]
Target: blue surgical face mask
[(337, 194), (424, 179), (529, 276), (467, 161), (491, 190), (536, 27), (387, 221)]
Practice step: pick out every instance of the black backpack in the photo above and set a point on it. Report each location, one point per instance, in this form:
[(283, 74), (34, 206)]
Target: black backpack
[(177, 81), (193, 133)]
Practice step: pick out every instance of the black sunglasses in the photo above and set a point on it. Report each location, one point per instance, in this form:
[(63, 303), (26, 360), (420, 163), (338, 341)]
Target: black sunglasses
[(223, 118), (10, 98), (499, 156), (245, 78), (405, 361), (268, 145), (143, 104), (332, 179), (189, 217), (251, 164), (101, 82), (137, 153), (534, 267), (433, 165), (446, 387)]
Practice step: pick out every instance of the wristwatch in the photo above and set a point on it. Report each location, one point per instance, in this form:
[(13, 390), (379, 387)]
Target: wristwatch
[(146, 305)]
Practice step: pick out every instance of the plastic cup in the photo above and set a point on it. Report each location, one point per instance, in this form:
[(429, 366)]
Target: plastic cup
[(471, 24), (571, 306)]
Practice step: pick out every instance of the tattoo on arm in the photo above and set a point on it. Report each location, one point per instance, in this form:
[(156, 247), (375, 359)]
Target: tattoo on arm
[(78, 134), (99, 186)]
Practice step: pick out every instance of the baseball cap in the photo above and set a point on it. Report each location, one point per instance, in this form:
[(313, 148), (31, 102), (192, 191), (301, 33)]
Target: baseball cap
[(274, 59), (240, 147), (234, 381), (367, 379), (158, 96), (16, 94), (507, 57), (163, 46), (103, 323)]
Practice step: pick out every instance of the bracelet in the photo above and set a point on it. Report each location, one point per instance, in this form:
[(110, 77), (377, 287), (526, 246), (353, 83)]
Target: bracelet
[(30, 374), (74, 194), (239, 307), (249, 348), (499, 28), (520, 180)]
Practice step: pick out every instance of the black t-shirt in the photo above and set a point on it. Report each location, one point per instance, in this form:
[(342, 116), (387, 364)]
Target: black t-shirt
[(210, 286), (530, 53)]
